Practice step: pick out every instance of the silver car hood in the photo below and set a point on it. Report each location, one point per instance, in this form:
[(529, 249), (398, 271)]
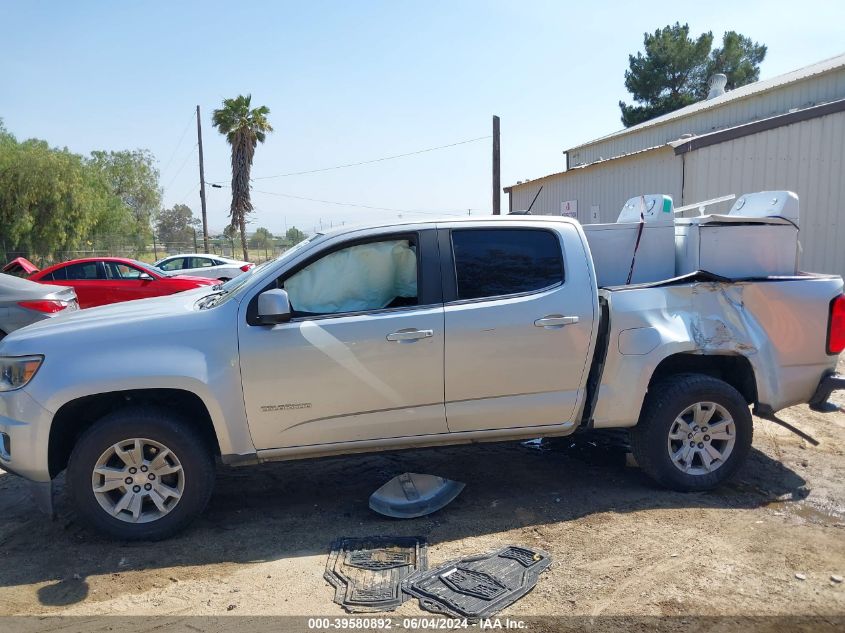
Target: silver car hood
[(128, 317)]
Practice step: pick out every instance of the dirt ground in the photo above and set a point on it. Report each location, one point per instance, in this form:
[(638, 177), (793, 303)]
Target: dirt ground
[(767, 543)]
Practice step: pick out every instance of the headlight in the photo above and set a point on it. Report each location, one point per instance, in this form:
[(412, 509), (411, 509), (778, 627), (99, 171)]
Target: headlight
[(15, 372)]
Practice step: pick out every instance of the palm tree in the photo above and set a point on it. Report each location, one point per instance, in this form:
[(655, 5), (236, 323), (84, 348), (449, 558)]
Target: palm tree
[(244, 129)]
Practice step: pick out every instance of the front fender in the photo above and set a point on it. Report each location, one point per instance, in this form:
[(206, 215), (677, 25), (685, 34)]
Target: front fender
[(213, 376)]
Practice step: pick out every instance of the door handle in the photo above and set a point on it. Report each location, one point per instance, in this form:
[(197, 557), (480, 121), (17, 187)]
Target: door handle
[(409, 335), (555, 321)]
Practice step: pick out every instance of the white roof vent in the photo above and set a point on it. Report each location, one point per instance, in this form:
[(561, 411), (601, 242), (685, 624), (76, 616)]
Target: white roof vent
[(717, 85)]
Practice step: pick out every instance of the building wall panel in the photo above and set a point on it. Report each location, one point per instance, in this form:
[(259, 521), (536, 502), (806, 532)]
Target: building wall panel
[(807, 158), (606, 185)]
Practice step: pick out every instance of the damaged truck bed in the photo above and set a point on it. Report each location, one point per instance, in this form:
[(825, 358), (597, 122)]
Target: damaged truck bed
[(762, 335)]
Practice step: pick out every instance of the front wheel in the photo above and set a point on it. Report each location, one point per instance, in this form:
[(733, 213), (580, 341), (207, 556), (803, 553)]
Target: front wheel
[(693, 433), (140, 474)]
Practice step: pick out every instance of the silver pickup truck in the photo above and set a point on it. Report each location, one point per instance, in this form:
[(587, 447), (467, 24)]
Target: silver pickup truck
[(402, 336)]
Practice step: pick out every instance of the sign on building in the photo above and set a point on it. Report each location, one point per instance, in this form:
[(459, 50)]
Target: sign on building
[(569, 208)]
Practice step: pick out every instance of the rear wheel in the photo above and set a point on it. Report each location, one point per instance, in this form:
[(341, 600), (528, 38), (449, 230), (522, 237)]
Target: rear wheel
[(140, 474), (693, 433)]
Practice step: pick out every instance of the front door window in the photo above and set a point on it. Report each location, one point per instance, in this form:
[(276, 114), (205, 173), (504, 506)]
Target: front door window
[(365, 277)]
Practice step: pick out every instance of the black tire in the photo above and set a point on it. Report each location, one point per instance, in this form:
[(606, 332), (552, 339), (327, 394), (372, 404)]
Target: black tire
[(665, 402), (192, 450)]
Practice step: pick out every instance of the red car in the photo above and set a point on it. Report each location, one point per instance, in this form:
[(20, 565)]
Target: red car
[(102, 280)]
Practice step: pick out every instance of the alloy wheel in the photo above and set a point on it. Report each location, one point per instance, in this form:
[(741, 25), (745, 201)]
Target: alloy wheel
[(701, 438), (138, 480)]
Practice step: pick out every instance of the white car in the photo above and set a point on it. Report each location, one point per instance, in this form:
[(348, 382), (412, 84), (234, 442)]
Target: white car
[(203, 265)]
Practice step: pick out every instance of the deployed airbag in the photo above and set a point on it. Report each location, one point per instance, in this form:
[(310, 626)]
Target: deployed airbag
[(363, 277)]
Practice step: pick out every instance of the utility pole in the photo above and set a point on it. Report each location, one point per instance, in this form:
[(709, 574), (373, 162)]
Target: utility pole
[(497, 176), (202, 184)]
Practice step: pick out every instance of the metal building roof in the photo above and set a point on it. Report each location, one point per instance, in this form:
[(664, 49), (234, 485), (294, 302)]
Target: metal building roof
[(742, 92), (688, 144), (578, 168)]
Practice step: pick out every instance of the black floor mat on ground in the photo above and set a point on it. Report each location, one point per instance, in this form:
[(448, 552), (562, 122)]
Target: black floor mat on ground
[(479, 586), (367, 572)]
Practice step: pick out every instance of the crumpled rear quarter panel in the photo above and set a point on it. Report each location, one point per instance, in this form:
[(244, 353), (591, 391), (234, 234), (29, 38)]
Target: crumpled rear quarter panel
[(779, 325)]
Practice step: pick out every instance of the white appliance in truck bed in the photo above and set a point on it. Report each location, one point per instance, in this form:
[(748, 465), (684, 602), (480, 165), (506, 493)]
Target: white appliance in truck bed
[(613, 245), (757, 238)]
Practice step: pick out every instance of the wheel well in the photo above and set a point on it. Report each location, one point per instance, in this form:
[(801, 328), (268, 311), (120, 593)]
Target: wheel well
[(74, 417), (734, 370)]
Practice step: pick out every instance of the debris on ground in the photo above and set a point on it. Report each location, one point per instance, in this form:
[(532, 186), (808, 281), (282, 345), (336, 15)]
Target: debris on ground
[(367, 572), (479, 586), (412, 495)]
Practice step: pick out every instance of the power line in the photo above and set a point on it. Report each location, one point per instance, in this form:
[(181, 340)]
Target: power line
[(374, 160), (354, 204), (178, 144), (187, 193), (181, 167)]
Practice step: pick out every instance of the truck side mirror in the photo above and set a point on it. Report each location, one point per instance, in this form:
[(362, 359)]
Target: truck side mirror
[(274, 307)]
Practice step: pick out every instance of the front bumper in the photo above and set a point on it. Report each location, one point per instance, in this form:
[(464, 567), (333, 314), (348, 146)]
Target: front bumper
[(25, 434), (827, 385)]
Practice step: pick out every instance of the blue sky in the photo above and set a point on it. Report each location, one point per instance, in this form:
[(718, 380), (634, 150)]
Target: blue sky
[(353, 81)]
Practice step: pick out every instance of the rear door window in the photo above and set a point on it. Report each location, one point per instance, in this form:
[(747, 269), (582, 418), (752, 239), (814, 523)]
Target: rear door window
[(200, 262), (498, 262)]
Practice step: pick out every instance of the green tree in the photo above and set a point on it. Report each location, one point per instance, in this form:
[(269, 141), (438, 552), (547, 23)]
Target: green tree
[(6, 138), (294, 235), (176, 225), (52, 200), (244, 128), (132, 177), (262, 238), (738, 59), (675, 68)]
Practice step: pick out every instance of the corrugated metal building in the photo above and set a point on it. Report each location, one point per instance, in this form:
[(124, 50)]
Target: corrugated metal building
[(787, 132)]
